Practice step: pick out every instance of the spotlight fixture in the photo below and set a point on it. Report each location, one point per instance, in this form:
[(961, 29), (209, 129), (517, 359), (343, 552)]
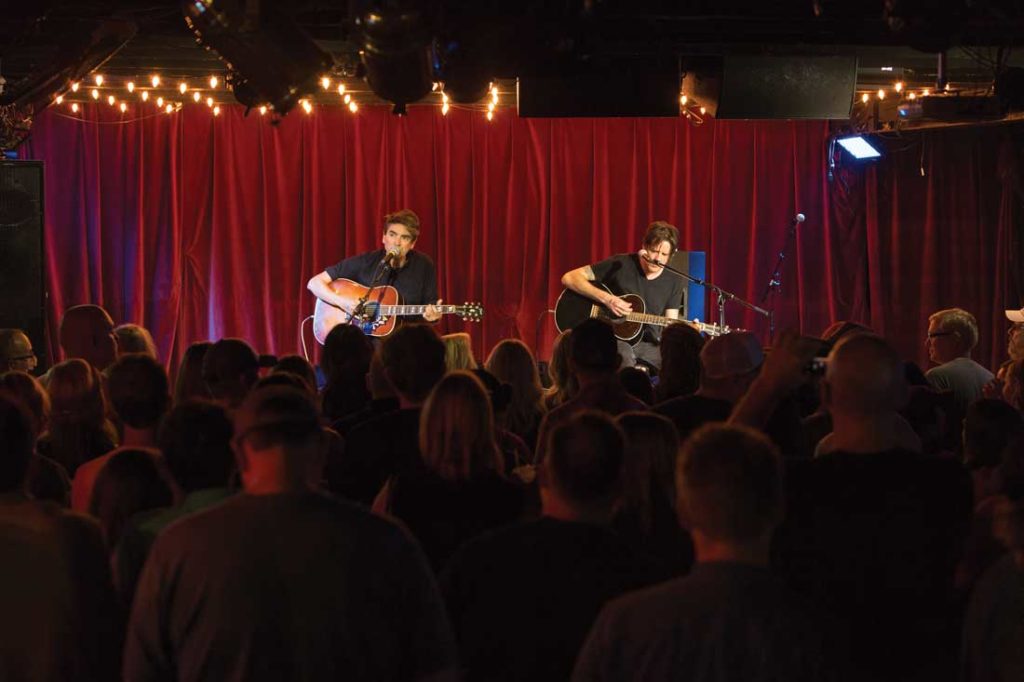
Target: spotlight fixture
[(858, 147)]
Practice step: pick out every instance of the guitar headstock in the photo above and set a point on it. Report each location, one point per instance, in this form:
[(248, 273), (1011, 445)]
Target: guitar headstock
[(471, 312)]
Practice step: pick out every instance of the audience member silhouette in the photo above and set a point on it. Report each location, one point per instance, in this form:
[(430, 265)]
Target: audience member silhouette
[(646, 513), (133, 338), (382, 397), (230, 368), (564, 384), (87, 332), (132, 481), (282, 582), (58, 620), (680, 362), (952, 335), (730, 618), (188, 383), (512, 363), (46, 479), (384, 445), (345, 361), (16, 351), (140, 396), (300, 367), (522, 598), (460, 490), (79, 429), (458, 351), (637, 383)]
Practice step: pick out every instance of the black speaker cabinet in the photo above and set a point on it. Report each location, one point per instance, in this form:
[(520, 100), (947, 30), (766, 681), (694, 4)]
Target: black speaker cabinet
[(22, 291), (773, 87)]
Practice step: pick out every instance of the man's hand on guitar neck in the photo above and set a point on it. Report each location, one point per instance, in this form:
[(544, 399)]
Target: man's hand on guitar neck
[(432, 314)]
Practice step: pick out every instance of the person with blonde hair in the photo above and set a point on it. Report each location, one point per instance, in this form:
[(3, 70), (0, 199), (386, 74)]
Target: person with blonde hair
[(512, 363), (79, 429), (132, 338), (458, 351), (952, 335), (459, 489), (564, 384)]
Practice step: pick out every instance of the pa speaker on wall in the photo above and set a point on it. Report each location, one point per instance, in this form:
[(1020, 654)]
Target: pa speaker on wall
[(632, 88), (772, 87), (22, 303)]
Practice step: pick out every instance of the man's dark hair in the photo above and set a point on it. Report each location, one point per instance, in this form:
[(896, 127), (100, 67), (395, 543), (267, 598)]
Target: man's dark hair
[(346, 353), (680, 361), (277, 415), (230, 368), (195, 439), (413, 358), (17, 442), (404, 217), (584, 457), (989, 426), (729, 483), (300, 367), (592, 346), (659, 231), (138, 390)]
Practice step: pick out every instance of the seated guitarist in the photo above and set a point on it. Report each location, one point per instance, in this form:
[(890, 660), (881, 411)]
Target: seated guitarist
[(629, 273), (410, 272)]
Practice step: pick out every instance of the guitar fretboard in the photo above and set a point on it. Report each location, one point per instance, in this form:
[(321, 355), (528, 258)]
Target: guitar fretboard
[(646, 318), (403, 309)]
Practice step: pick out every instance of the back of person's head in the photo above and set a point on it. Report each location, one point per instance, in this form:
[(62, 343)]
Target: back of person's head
[(346, 353), (500, 394), (27, 389), (189, 382), (138, 390), (730, 363), (283, 379), (16, 351), (195, 439), (680, 361), (836, 331), (457, 428), (277, 417), (1008, 519), (132, 338), (729, 484), (593, 348), (652, 445), (128, 483), (17, 442), (512, 363), (989, 426), (864, 376), (458, 351), (563, 381), (87, 332), (76, 394), (584, 460), (230, 368), (377, 378), (300, 367), (414, 360), (637, 383)]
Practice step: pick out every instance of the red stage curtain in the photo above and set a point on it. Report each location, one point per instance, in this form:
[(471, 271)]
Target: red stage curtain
[(200, 227)]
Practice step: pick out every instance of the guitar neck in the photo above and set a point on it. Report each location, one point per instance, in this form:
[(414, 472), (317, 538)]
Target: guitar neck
[(656, 320), (400, 310)]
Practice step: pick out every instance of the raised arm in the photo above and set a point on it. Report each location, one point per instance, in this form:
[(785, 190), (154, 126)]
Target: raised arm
[(579, 280)]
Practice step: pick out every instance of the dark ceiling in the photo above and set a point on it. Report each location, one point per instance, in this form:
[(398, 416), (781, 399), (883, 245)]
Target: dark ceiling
[(520, 38)]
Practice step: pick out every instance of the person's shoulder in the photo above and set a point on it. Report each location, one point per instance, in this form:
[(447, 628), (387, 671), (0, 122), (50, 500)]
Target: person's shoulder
[(421, 259)]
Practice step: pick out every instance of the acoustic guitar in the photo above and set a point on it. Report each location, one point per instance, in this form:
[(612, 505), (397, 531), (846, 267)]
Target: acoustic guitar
[(378, 310), (571, 309)]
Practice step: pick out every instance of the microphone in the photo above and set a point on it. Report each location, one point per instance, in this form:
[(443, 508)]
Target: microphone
[(391, 257), (800, 217)]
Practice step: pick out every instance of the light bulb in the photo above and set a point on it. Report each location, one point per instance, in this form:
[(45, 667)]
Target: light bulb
[(196, 96), (124, 107), (145, 95), (865, 97), (444, 97), (169, 108), (131, 86), (490, 107), (683, 99), (703, 110), (216, 111), (881, 93), (182, 87), (99, 79), (74, 87), (490, 115), (325, 83), (263, 110), (74, 107), (60, 99), (353, 107), (307, 106), (111, 99), (898, 87), (444, 109), (155, 80), (911, 96), (348, 98), (925, 92), (213, 82), (209, 101), (159, 101), (95, 93), (494, 91), (341, 89)]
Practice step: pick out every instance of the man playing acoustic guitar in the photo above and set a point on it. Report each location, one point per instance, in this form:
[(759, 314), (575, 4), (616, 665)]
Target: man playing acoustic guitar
[(634, 273), (396, 264)]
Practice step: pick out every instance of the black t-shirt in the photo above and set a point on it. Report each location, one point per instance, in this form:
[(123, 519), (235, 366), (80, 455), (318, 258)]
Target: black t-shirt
[(623, 274), (416, 281)]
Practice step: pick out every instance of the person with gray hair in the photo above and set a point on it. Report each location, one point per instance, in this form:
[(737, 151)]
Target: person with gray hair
[(952, 335), (16, 351)]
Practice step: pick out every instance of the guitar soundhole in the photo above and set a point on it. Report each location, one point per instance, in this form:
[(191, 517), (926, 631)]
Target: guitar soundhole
[(369, 320)]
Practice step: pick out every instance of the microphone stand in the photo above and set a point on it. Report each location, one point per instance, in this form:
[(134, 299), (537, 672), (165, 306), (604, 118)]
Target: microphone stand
[(721, 294), (775, 281), (382, 267)]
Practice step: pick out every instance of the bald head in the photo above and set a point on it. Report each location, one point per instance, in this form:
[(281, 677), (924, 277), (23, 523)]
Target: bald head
[(87, 332), (865, 376)]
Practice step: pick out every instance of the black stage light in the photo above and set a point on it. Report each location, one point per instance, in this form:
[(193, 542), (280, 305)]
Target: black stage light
[(396, 51), (275, 58)]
